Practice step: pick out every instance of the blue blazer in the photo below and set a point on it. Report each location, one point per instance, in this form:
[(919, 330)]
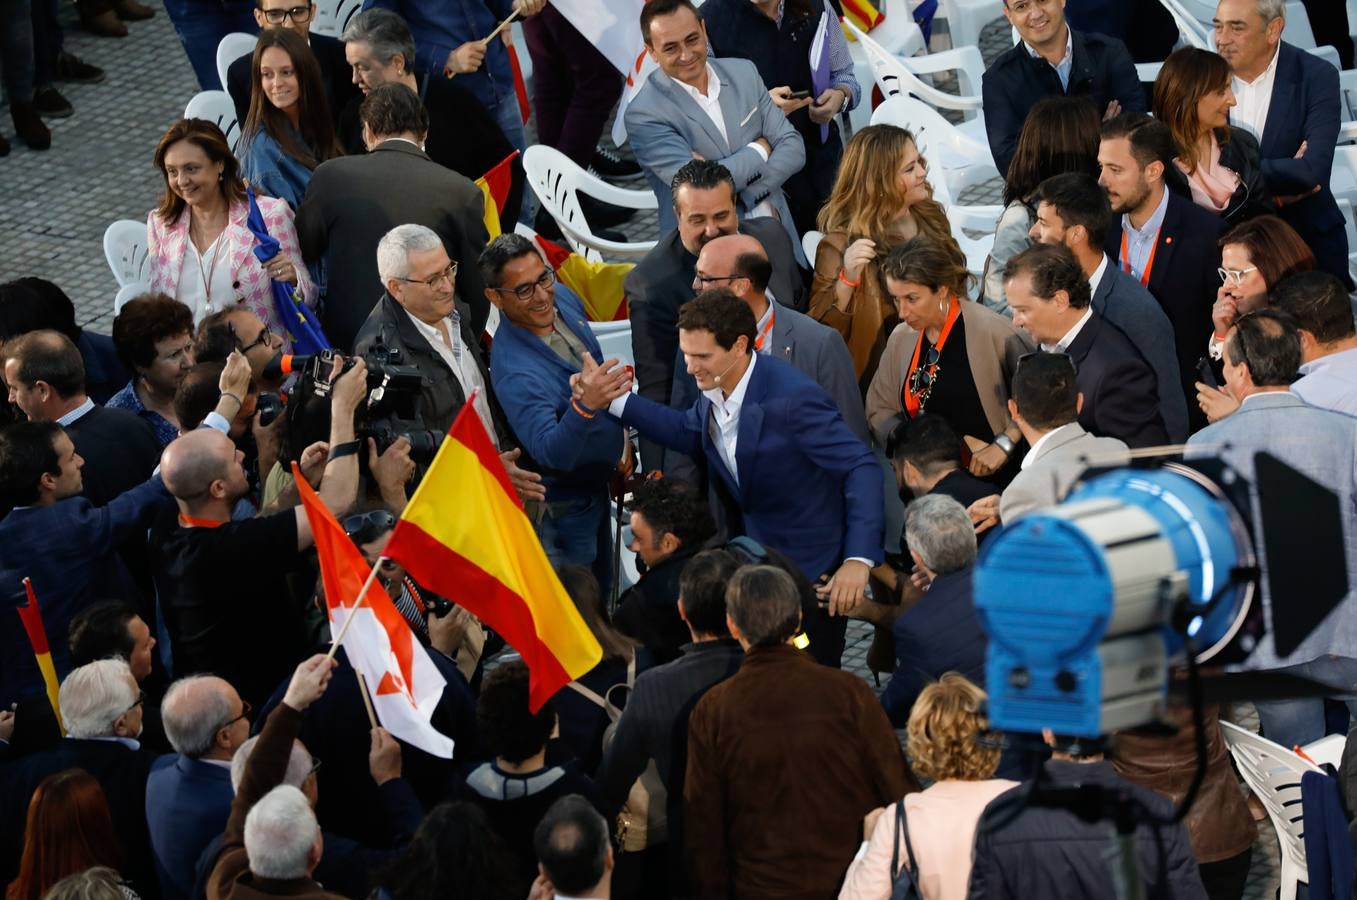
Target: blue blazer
[(807, 485), (1305, 107), (187, 804), (532, 383), (941, 633)]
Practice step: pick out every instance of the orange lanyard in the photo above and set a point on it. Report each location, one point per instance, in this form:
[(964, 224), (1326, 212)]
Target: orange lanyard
[(767, 329), (912, 401), (190, 522), (1149, 263)]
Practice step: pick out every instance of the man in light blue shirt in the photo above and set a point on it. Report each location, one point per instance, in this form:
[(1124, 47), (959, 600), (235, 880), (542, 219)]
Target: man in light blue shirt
[(1328, 341)]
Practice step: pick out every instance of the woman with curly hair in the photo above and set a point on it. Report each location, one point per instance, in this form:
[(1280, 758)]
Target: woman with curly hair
[(944, 726), (881, 198)]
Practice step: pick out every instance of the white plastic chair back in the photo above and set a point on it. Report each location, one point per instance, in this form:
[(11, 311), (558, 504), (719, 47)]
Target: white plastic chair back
[(893, 77), (127, 292), (1273, 773), (126, 253), (558, 182), (1297, 30), (614, 339), (217, 108), (1343, 176), (1346, 209), (810, 243), (967, 18), (1193, 33), (333, 16), (233, 47), (948, 148), (1347, 95)]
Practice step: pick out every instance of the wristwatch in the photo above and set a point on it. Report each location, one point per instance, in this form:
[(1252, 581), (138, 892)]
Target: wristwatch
[(1005, 443)]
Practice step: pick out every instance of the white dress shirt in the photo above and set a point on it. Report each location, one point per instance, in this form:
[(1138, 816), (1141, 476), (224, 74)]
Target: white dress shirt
[(1253, 99), (710, 103), (463, 365), (1034, 454), (213, 265), (1097, 277), (1064, 343), (1140, 241)]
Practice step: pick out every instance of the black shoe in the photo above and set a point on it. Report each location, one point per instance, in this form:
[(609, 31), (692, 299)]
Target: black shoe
[(604, 215), (30, 127), (610, 164), (546, 226), (49, 102), (72, 68), (4, 146)]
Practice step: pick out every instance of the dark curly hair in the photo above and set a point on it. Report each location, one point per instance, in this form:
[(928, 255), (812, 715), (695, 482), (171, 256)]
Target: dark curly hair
[(671, 506), (454, 854), (144, 320), (508, 730)]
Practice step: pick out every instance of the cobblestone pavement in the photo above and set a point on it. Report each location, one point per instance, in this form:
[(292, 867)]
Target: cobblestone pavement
[(54, 207)]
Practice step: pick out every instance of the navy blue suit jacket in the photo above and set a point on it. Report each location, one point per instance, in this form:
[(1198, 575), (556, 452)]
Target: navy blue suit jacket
[(1120, 390), (1305, 107), (941, 633), (187, 804), (807, 485)]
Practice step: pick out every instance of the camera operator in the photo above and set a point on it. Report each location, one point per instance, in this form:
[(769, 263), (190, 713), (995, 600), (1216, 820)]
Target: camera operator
[(198, 394), (240, 329)]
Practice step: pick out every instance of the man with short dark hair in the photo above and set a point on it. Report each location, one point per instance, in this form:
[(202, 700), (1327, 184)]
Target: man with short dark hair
[(1262, 355), (1072, 209), (1045, 404), (793, 752), (926, 454), (238, 328), (1052, 59), (1320, 306), (296, 16), (110, 628), (574, 850), (1166, 242), (670, 522), (653, 728), (352, 201), (1050, 299), (30, 304), (705, 208)]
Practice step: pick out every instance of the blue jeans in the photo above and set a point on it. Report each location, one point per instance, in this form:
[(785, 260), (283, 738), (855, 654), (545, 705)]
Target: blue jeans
[(1292, 722), (201, 24), (578, 531)]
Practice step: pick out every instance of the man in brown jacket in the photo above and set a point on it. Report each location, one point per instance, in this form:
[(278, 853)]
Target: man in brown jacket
[(784, 759), (261, 806)]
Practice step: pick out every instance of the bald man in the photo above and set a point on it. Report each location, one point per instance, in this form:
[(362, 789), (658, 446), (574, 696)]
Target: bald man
[(739, 262), (223, 584)]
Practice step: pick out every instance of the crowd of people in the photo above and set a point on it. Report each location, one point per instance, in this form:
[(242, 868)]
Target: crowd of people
[(798, 441)]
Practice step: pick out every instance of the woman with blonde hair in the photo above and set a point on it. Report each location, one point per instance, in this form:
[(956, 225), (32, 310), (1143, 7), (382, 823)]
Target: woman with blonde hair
[(880, 199), (943, 744)]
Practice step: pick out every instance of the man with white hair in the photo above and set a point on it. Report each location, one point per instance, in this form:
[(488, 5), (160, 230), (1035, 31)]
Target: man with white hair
[(188, 794), (100, 706)]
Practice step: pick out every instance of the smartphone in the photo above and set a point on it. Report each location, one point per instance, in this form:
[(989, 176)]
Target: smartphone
[(798, 95), (1206, 374)]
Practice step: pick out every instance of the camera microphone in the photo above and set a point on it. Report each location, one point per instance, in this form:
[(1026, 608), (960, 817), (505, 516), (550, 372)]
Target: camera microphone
[(718, 378), (285, 364)]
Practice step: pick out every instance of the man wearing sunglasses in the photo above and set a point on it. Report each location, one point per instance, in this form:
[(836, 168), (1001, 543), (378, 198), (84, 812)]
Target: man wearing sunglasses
[(294, 15)]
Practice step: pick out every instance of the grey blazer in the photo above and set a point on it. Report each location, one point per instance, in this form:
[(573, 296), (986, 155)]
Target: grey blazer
[(665, 127), (1051, 470), (1125, 302), (1322, 445)]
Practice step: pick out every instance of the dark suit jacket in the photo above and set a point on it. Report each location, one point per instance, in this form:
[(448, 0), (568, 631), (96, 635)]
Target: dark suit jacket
[(353, 201), (335, 75), (1102, 70), (661, 283), (790, 433), (941, 633), (120, 771), (1305, 107), (1184, 281), (648, 611), (1120, 391), (1122, 301), (187, 802), (105, 374), (120, 452)]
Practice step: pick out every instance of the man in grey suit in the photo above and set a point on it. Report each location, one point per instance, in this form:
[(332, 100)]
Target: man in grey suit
[(1073, 210), (353, 201), (1045, 404), (1262, 356), (693, 107), (738, 262)]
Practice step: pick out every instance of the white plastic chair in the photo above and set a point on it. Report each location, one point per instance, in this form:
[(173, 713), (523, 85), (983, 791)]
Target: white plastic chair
[(810, 244), (1343, 177), (954, 152), (216, 107), (899, 34), (127, 292), (233, 47), (1328, 749), (126, 252), (332, 16), (1347, 95), (1273, 773), (967, 18), (1193, 32), (614, 339), (1346, 209), (558, 182), (894, 75)]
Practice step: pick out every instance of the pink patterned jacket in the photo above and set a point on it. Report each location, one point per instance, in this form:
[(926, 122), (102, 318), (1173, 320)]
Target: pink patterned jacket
[(165, 243)]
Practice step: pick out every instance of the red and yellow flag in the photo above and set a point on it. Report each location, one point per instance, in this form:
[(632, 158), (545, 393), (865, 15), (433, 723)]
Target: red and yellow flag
[(466, 536), (31, 616), (862, 14), (495, 186)]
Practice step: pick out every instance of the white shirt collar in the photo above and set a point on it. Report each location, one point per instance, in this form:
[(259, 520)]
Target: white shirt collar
[(223, 763), (1268, 72), (713, 88), (1034, 454), (1064, 343), (730, 406), (1097, 277), (77, 413), (1069, 48), (129, 743)]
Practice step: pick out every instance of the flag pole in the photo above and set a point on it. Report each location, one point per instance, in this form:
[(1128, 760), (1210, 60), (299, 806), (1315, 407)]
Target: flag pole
[(502, 25), (344, 629), (367, 701)]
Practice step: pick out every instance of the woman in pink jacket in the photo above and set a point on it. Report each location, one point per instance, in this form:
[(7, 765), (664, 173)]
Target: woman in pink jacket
[(201, 249), (942, 731)]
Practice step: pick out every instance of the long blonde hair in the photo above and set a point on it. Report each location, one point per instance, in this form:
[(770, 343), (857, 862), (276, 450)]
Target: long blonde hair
[(867, 198)]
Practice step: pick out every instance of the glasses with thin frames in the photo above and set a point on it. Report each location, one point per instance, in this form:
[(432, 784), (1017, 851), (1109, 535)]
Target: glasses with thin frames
[(705, 280), (450, 273), (524, 292), (298, 14)]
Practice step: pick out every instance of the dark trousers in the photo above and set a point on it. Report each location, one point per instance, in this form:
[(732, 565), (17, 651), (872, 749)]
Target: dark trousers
[(201, 24), (1225, 880), (47, 41), (574, 87), (16, 50), (1329, 22)]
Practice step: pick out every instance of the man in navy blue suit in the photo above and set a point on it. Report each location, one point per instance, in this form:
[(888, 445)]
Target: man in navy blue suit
[(188, 793), (1288, 99), (786, 469)]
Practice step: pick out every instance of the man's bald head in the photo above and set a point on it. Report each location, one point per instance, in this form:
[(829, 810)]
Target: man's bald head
[(742, 255), (194, 460), (195, 709)]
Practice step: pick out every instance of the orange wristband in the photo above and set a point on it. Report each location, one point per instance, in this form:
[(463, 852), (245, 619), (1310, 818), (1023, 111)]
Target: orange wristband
[(843, 276)]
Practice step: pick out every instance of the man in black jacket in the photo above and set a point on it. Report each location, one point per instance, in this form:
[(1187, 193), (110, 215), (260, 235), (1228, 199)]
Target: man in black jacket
[(1052, 59), (704, 202)]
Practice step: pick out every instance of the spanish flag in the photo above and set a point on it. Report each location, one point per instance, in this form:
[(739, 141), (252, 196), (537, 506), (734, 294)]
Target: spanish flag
[(495, 186), (465, 535), (862, 14), (37, 636)]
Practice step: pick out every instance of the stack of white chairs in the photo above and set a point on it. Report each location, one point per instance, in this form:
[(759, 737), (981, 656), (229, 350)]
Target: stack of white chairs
[(332, 16), (558, 182)]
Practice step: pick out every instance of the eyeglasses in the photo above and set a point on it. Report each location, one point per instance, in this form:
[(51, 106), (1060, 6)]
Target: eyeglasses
[(245, 710), (265, 338), (1235, 275), (450, 273), (298, 14), (141, 698), (921, 379), (705, 280), (364, 528), (524, 292)]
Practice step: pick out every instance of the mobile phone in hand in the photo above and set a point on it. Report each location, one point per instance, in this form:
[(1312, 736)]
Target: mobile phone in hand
[(1206, 374), (798, 95)]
